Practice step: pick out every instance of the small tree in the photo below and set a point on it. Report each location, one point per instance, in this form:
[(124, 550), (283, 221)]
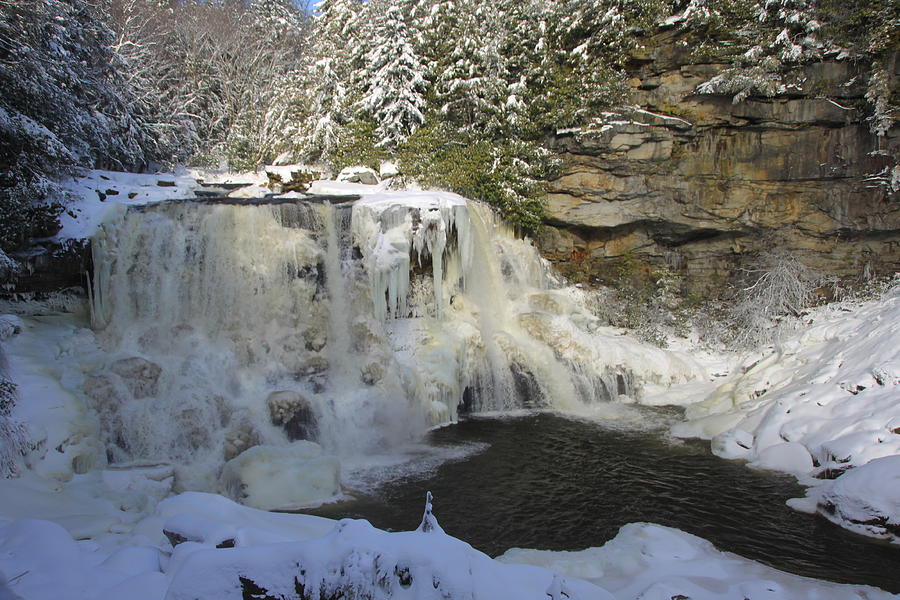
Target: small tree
[(776, 286), (13, 434)]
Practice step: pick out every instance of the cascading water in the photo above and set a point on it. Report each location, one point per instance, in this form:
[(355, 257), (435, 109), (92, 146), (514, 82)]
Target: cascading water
[(357, 326)]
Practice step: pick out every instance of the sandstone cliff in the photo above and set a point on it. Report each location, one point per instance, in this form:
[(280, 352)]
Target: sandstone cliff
[(698, 182)]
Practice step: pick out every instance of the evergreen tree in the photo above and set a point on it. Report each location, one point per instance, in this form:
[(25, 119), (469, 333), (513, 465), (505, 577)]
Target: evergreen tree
[(63, 103), (472, 89), (394, 82)]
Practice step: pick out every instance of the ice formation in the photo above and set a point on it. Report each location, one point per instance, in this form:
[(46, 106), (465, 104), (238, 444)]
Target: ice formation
[(356, 325)]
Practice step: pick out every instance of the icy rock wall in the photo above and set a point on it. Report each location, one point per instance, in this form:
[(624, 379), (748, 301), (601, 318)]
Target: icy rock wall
[(357, 325)]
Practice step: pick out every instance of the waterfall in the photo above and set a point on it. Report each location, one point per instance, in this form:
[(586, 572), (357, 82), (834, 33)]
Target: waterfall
[(356, 326)]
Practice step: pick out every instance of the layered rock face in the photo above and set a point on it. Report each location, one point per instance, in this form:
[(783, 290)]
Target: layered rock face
[(699, 183)]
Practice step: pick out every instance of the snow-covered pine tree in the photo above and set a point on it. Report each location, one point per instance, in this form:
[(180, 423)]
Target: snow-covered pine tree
[(14, 441), (472, 86), (783, 33), (319, 109), (63, 103), (395, 84)]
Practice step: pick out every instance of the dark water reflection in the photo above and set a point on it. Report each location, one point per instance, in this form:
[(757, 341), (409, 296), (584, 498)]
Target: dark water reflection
[(554, 483)]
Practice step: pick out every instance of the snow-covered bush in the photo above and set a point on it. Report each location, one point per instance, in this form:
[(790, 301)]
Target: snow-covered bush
[(775, 286), (13, 434), (509, 174)]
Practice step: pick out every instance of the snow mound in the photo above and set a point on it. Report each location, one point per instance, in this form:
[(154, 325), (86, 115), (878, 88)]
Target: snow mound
[(831, 391), (866, 499), (651, 561)]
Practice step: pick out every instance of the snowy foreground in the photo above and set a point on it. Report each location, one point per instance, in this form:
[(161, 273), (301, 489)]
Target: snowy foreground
[(822, 406), (227, 551)]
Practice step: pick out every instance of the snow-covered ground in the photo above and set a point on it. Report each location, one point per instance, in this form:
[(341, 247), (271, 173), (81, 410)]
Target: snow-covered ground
[(824, 402), (821, 403), (203, 546)]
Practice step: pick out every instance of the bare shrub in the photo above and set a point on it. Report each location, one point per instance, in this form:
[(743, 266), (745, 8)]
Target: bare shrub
[(774, 291)]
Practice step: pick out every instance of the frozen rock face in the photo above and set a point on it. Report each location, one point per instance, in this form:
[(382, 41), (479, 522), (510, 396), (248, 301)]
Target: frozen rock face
[(695, 181), (356, 325)]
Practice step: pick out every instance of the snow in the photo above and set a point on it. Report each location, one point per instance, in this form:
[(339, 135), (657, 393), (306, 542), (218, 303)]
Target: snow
[(344, 188), (283, 553), (865, 499), (649, 561), (821, 403), (94, 195), (250, 191)]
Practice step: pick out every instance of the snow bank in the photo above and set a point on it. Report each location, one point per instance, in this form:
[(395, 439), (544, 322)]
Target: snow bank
[(650, 561), (343, 188), (822, 403), (223, 550), (94, 195), (831, 389)]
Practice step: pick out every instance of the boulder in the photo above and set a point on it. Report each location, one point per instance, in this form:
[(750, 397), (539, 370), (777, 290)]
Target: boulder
[(139, 375), (363, 175), (273, 477), (241, 436), (294, 413)]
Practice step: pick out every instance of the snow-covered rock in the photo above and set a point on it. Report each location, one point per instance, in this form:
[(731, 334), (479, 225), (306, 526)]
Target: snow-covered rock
[(291, 476), (250, 191), (363, 175), (647, 561), (865, 499)]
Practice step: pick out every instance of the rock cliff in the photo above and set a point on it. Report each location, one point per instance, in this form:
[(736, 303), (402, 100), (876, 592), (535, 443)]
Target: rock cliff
[(699, 183)]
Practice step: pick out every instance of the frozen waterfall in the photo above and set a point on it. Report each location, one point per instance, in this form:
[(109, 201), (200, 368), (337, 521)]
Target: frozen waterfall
[(354, 325)]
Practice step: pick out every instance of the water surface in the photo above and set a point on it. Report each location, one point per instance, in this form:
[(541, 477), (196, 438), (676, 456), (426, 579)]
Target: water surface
[(549, 482)]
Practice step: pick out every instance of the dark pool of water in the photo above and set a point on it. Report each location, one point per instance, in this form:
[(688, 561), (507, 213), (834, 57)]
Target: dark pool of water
[(554, 483)]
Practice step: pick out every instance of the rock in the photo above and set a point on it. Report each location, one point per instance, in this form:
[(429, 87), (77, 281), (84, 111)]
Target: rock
[(10, 326), (314, 366), (372, 373), (363, 175), (272, 477), (188, 528), (866, 499), (240, 437), (700, 180), (294, 413), (139, 375)]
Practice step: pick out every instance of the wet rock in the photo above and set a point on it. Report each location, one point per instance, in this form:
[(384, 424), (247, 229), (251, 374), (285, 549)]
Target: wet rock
[(315, 339), (106, 397), (372, 373), (294, 413), (240, 437), (314, 366), (139, 375)]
